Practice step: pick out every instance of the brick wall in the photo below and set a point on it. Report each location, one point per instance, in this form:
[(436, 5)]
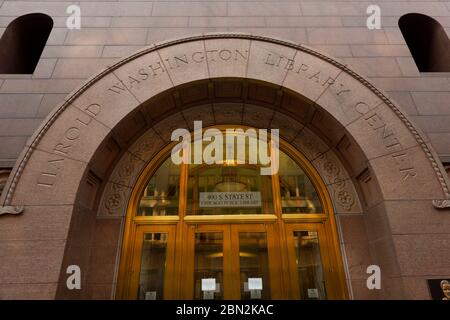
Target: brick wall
[(113, 29)]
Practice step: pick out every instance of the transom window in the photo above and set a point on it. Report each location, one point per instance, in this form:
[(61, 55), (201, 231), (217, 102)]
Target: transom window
[(228, 229), (229, 188)]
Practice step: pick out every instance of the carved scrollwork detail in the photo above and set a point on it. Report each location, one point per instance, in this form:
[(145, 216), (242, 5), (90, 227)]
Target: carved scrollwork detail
[(147, 145), (343, 193), (345, 199), (417, 135), (11, 210), (115, 199), (143, 147), (441, 204), (113, 202), (331, 169), (339, 182), (126, 170), (311, 147)]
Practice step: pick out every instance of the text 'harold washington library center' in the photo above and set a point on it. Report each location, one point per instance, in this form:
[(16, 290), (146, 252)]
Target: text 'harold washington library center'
[(224, 150)]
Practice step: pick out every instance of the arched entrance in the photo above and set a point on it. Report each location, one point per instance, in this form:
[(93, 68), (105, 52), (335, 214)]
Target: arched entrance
[(252, 236), (76, 177)]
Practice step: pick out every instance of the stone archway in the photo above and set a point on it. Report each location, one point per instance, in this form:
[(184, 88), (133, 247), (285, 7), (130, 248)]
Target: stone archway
[(60, 176)]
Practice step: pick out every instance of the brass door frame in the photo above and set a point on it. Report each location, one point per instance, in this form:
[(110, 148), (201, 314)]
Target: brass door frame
[(273, 257), (183, 222), (327, 259), (189, 265), (141, 230), (231, 261)]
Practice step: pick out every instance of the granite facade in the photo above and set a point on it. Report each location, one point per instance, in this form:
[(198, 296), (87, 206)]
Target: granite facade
[(382, 229)]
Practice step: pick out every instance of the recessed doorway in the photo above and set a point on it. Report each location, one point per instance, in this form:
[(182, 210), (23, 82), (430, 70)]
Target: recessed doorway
[(224, 231)]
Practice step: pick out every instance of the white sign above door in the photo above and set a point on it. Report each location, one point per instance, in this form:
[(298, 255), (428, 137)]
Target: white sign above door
[(229, 199)]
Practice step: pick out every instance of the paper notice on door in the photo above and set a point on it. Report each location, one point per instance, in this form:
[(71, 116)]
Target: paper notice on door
[(255, 294), (255, 284), (150, 295), (208, 295), (313, 293), (209, 284)]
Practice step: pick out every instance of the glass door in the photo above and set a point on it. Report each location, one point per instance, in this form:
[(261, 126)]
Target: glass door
[(232, 262), (152, 263), (308, 262), (256, 266), (206, 264)]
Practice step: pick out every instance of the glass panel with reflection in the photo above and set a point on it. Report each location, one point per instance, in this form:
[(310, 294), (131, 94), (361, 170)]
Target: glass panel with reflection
[(160, 197), (298, 194), (227, 189), (254, 265), (208, 266), (233, 184), (153, 265), (309, 265)]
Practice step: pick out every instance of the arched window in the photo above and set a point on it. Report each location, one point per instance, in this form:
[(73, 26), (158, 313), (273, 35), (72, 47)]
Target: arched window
[(222, 217), (22, 43), (207, 184), (427, 41)]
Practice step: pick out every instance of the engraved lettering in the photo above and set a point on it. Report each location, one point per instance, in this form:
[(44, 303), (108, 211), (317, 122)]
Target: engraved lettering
[(55, 163), (49, 175), (62, 149), (225, 54), (46, 176), (290, 64), (392, 142), (198, 57), (406, 167), (132, 80), (303, 67), (315, 76), (144, 75), (329, 81), (168, 62), (269, 61), (178, 60), (118, 87), (279, 60), (362, 107), (93, 109), (238, 53), (342, 90), (86, 122), (209, 56), (410, 172), (72, 133), (389, 138), (375, 121), (155, 69)]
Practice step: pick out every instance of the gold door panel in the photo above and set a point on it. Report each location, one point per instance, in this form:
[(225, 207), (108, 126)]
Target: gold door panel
[(188, 235), (152, 266)]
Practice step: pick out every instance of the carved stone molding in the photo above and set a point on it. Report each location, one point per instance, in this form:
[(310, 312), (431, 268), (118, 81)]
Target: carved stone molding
[(199, 74), (441, 204), (11, 210), (114, 200), (338, 182)]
